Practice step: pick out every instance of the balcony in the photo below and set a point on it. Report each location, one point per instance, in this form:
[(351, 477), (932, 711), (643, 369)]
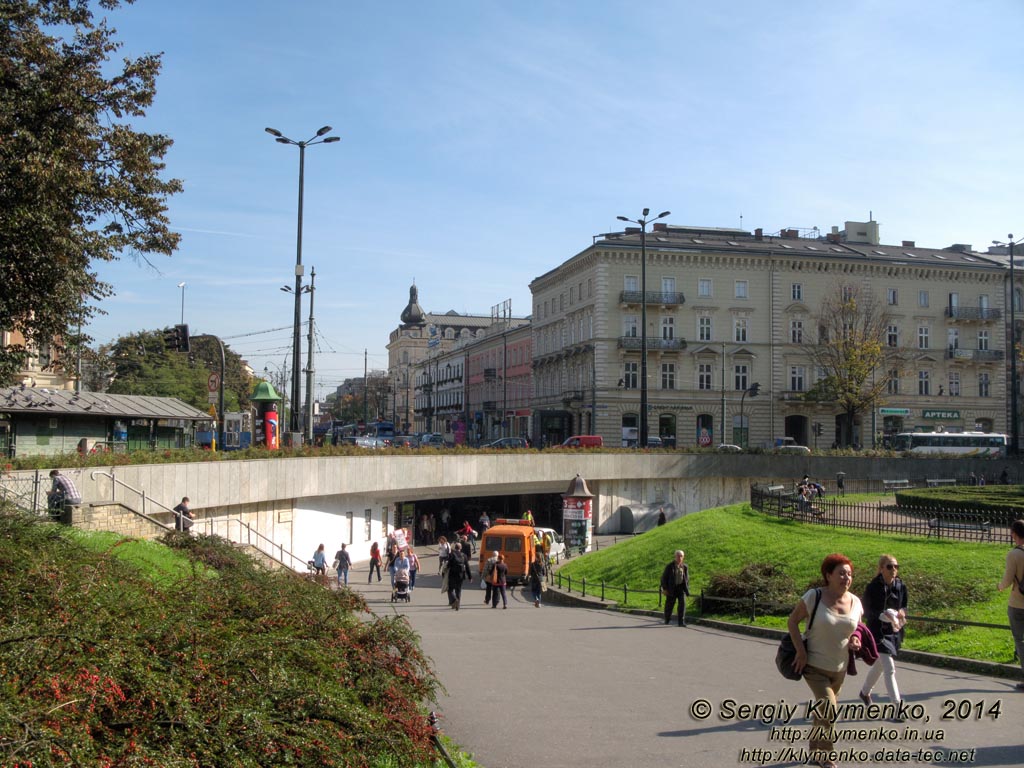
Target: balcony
[(570, 395), (977, 355), (490, 374), (659, 298), (632, 344), (973, 314)]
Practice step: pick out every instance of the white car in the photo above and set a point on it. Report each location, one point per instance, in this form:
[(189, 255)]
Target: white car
[(557, 551), (729, 448)]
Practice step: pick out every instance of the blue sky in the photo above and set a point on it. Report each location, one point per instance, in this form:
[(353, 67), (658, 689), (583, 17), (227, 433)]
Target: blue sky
[(483, 143)]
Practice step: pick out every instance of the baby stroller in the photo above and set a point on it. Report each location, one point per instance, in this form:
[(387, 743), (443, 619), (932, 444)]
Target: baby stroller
[(401, 590)]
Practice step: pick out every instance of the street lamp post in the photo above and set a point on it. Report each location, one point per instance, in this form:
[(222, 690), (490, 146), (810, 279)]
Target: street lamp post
[(1012, 351), (753, 391), (296, 383), (642, 222), (182, 286)]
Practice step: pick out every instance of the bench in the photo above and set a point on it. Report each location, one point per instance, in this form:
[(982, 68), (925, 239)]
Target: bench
[(937, 526), (896, 485), (936, 482), (786, 500)]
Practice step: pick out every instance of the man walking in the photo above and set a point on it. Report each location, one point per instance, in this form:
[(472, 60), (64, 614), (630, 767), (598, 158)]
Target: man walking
[(675, 586), (183, 516), (458, 571)]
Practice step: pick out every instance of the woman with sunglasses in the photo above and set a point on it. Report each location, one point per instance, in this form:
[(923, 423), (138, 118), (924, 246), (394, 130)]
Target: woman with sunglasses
[(885, 613)]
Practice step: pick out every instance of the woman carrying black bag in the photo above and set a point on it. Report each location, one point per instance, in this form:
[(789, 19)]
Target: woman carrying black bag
[(830, 638)]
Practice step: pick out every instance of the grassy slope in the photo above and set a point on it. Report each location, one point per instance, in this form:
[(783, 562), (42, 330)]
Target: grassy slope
[(723, 540)]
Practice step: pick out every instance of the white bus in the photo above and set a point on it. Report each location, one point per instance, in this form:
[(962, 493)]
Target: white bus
[(988, 444)]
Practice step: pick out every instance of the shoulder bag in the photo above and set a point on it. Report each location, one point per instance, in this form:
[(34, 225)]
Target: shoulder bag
[(787, 651)]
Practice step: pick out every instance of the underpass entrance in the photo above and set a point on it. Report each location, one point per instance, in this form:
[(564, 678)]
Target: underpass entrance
[(448, 515)]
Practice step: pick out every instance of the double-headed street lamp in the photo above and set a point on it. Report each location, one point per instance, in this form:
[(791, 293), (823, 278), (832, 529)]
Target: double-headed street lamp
[(294, 420), (753, 391), (642, 222), (1012, 351)]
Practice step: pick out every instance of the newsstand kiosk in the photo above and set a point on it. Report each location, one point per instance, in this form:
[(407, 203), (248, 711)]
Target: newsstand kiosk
[(577, 517)]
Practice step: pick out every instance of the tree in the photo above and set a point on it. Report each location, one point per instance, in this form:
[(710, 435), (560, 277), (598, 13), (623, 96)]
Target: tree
[(77, 183), (142, 365), (850, 348)]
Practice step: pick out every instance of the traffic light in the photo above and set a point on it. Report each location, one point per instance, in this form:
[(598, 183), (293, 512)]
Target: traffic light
[(816, 428), (176, 338), (754, 389)]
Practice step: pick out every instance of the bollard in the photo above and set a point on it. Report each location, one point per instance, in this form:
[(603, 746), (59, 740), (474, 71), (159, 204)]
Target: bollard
[(602, 590), (625, 594), (753, 608), (584, 587)]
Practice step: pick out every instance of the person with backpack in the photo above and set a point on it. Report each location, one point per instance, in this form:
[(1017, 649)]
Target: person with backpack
[(499, 580), (1013, 578), (487, 576), (343, 562)]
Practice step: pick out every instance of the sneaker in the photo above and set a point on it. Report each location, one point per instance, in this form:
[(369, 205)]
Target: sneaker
[(536, 603), (504, 606), (865, 697)]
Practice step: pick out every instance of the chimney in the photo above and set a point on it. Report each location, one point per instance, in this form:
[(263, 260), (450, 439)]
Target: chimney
[(660, 226), (909, 244), (790, 234), (759, 234), (959, 248), (832, 237)]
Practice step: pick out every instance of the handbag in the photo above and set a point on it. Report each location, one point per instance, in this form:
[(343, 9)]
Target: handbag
[(787, 651)]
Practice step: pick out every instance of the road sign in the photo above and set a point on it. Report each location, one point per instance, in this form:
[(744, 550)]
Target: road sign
[(213, 382)]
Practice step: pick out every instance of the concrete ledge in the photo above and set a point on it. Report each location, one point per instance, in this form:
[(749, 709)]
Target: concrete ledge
[(556, 596)]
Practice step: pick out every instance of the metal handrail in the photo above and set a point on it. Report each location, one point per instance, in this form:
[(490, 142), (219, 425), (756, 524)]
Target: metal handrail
[(113, 497), (271, 548)]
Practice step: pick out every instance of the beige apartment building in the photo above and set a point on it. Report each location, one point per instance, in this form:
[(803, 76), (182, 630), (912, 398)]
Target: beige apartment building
[(728, 308)]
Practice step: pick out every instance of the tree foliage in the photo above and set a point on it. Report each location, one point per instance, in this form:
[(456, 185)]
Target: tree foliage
[(141, 364), (77, 183), (850, 348)]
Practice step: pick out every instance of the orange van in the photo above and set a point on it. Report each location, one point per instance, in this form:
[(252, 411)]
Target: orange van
[(514, 540), (584, 441)]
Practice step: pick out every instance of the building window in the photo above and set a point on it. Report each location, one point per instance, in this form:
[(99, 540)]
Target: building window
[(892, 386), (572, 295), (632, 284), (983, 390), (891, 297), (668, 376), (368, 524), (796, 291), (630, 375), (796, 331), (847, 292), (740, 374), (668, 328), (797, 377), (954, 383), (668, 285), (704, 374), (953, 338), (892, 337), (590, 287), (923, 383), (983, 340), (922, 337), (741, 289), (629, 326), (922, 298), (704, 328), (740, 326), (704, 287)]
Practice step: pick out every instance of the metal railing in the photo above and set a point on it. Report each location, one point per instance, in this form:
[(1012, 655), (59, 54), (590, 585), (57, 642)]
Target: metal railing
[(962, 525), (664, 298), (147, 501), (24, 492), (249, 536)]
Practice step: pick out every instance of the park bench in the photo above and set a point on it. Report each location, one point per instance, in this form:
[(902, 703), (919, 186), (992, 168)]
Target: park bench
[(896, 485), (937, 481), (937, 526), (785, 500)]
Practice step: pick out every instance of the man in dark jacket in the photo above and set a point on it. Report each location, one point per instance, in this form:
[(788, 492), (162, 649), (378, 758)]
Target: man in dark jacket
[(458, 571), (675, 586)]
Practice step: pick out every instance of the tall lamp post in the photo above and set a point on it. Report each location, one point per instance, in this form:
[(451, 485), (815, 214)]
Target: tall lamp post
[(296, 414), (642, 222), (1012, 351), (182, 286), (753, 391), (294, 420)]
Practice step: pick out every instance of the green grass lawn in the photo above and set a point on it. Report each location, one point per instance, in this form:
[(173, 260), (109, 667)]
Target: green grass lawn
[(953, 579)]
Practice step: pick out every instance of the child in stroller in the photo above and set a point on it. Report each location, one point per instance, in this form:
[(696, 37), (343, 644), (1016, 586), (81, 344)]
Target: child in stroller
[(401, 590)]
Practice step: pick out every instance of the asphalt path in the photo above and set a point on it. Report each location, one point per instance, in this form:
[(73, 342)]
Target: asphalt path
[(584, 687)]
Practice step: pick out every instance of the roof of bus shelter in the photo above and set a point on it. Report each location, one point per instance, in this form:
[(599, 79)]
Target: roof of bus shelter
[(61, 402)]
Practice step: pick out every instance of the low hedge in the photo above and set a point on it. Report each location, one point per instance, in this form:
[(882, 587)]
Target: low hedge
[(999, 504)]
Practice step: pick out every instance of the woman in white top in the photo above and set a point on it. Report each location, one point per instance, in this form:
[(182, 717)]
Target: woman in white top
[(829, 643)]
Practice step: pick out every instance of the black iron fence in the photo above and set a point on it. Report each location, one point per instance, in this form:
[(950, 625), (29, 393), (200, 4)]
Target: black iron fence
[(966, 525)]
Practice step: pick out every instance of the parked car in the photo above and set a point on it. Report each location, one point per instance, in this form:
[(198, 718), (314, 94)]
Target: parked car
[(432, 440), (653, 441), (557, 542), (801, 449), (584, 441), (508, 442), (729, 448)]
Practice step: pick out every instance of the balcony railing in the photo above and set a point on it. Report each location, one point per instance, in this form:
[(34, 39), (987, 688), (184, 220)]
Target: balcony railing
[(569, 395), (662, 298), (980, 355), (632, 343), (973, 313), (490, 374)]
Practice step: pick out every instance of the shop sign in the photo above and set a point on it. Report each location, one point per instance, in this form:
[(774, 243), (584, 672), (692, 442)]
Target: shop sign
[(894, 411), (944, 415)]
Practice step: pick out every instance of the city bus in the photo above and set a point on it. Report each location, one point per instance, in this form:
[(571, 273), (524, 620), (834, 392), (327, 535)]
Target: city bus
[(986, 444)]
